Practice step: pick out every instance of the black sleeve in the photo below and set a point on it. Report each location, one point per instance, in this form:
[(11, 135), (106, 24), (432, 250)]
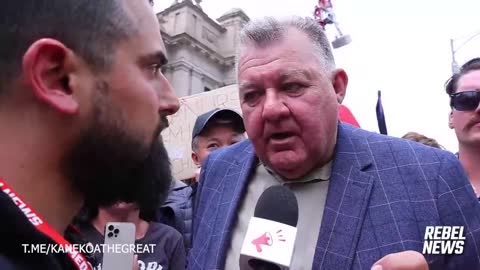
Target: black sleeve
[(35, 261), (165, 215), (178, 257), (6, 264)]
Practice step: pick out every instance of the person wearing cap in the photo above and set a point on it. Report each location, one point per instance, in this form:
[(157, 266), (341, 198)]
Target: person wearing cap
[(212, 130)]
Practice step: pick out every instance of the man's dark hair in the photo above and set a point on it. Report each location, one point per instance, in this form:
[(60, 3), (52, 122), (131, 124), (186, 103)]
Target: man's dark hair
[(90, 28), (452, 83)]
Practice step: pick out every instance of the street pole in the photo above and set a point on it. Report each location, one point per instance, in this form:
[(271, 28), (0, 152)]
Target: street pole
[(453, 50), (454, 62)]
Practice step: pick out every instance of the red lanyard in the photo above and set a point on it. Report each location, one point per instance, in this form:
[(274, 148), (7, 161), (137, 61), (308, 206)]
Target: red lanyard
[(43, 227)]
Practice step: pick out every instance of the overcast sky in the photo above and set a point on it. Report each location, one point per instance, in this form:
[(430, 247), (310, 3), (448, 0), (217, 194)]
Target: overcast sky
[(399, 47)]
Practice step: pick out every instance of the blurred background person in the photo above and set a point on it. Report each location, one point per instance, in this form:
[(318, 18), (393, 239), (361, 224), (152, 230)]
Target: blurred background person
[(463, 89), (212, 130), (417, 137), (136, 204)]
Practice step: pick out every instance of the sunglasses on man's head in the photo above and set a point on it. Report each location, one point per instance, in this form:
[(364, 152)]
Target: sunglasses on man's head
[(465, 101)]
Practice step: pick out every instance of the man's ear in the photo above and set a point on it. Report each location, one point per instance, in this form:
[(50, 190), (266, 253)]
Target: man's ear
[(340, 82), (46, 69), (450, 120), (195, 159)]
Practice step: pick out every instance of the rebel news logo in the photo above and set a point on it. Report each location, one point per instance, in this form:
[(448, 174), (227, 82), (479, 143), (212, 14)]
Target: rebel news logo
[(444, 240)]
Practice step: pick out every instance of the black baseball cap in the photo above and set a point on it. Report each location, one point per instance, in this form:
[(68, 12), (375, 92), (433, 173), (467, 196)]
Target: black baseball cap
[(218, 114)]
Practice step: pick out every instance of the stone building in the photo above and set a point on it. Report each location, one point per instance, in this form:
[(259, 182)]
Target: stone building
[(201, 50)]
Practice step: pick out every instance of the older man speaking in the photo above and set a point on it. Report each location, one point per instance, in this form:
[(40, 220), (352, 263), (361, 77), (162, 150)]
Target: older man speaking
[(361, 195)]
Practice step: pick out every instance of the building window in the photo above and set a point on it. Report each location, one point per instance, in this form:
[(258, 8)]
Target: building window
[(206, 89), (194, 24), (176, 21)]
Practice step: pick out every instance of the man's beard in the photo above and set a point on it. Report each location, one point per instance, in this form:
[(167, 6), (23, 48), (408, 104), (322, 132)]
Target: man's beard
[(108, 165)]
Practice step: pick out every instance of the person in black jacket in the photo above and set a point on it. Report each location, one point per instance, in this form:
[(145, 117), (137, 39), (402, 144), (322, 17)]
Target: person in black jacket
[(82, 104)]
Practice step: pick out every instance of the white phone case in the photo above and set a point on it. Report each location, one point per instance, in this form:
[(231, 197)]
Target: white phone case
[(117, 254)]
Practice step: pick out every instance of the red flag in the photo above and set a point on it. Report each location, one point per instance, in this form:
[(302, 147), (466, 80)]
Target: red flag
[(346, 116)]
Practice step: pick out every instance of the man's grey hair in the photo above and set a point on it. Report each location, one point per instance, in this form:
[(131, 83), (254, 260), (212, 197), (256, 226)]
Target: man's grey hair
[(195, 144), (265, 31)]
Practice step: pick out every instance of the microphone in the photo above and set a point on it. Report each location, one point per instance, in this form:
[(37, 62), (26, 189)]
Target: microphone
[(270, 238)]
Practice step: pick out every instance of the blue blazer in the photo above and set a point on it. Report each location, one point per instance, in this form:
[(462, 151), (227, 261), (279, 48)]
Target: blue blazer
[(383, 191)]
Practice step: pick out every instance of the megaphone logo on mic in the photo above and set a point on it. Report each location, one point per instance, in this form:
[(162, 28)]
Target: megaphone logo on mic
[(266, 239)]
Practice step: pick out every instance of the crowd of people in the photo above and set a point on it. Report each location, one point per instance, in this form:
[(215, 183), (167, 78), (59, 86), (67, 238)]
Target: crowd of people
[(83, 102)]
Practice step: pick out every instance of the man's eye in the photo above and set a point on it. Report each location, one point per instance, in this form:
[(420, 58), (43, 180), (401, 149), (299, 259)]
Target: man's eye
[(293, 86), (251, 98), (155, 69), (212, 146)]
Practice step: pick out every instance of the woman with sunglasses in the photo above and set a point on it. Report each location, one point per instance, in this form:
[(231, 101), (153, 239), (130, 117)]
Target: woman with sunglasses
[(464, 91)]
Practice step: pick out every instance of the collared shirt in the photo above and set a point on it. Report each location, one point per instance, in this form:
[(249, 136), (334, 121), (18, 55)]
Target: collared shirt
[(311, 194)]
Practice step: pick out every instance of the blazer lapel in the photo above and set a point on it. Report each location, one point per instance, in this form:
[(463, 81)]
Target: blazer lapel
[(234, 186), (347, 200)]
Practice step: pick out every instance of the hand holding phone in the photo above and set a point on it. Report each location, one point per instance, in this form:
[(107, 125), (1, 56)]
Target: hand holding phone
[(118, 246)]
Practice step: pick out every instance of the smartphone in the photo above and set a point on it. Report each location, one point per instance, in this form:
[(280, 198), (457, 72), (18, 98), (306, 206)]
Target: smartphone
[(117, 250)]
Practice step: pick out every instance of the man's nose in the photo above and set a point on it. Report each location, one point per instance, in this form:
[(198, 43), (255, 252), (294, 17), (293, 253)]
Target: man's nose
[(274, 107), (169, 102)]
